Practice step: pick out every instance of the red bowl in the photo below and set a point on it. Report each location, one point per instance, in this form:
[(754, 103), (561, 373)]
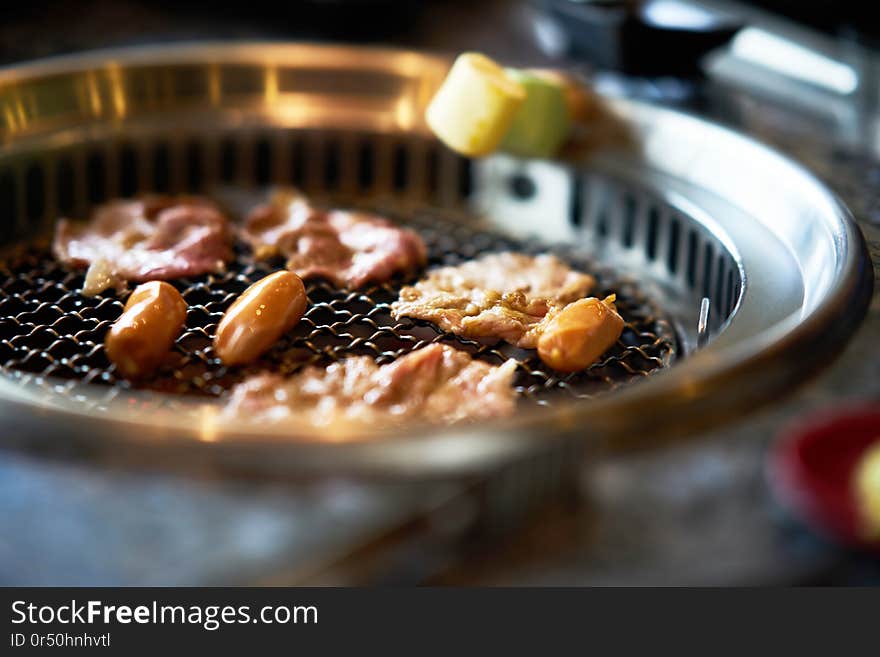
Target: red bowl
[(812, 466)]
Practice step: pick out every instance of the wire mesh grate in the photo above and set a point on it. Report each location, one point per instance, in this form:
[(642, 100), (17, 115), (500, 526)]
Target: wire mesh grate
[(53, 335)]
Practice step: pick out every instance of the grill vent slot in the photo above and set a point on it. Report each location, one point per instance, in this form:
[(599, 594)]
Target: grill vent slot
[(708, 261), (161, 168), (298, 158), (228, 161), (366, 165), (674, 246), (630, 208), (128, 170), (96, 175), (401, 168), (691, 262), (9, 204), (195, 171), (653, 228), (263, 160), (35, 194)]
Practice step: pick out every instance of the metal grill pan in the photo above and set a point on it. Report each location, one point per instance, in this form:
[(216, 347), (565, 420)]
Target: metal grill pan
[(697, 216)]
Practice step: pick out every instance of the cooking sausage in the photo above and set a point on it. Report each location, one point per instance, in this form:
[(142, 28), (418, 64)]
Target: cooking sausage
[(580, 333), (152, 320), (262, 314)]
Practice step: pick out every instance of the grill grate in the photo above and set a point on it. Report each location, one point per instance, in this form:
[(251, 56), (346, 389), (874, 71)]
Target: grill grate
[(53, 336)]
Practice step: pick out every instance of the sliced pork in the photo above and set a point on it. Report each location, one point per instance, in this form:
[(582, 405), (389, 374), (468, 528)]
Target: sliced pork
[(438, 384), (154, 238), (511, 296), (348, 248)]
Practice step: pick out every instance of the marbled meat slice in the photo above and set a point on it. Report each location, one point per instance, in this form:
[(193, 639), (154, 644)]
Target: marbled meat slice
[(348, 248), (437, 383), (154, 238), (511, 296)]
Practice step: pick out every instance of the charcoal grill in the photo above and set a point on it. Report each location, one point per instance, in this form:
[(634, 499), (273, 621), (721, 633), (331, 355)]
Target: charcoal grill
[(737, 273)]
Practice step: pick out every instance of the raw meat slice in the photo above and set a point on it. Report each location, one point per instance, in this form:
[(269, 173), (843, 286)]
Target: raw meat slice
[(348, 248)]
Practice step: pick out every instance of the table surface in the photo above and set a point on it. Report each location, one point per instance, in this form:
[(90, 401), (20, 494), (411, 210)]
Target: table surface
[(696, 514)]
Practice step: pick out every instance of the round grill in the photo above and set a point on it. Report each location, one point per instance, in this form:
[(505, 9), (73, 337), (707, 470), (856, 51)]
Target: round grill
[(691, 218)]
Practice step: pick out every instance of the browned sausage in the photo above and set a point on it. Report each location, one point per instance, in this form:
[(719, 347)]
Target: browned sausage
[(581, 332), (153, 319), (262, 314)]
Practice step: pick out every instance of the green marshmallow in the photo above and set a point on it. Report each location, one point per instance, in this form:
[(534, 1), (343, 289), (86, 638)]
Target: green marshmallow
[(542, 123)]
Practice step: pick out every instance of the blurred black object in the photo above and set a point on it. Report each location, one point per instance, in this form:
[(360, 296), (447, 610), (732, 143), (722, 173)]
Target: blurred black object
[(832, 16), (338, 20), (654, 38), (43, 27)]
